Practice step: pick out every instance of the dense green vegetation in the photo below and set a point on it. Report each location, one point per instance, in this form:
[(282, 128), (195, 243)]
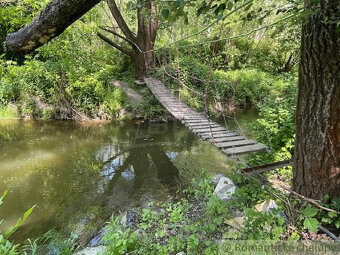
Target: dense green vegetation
[(233, 65), (71, 77)]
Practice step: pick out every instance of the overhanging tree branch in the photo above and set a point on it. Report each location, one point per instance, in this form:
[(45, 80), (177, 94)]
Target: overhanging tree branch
[(118, 35), (120, 20), (51, 22), (117, 46)]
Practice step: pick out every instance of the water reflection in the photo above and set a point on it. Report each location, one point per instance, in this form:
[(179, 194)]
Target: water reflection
[(78, 173)]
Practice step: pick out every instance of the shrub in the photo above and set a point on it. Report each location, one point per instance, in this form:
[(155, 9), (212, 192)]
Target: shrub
[(276, 125), (114, 101)]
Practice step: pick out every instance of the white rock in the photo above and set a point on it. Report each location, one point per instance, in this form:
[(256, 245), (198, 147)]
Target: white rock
[(266, 206), (91, 251), (225, 189), (181, 253)]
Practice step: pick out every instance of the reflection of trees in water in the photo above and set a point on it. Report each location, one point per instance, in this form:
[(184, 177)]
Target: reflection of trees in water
[(146, 144), (139, 159), (66, 189)]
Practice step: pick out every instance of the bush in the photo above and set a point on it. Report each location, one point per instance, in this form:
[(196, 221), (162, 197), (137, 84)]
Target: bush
[(114, 101), (88, 93), (276, 129), (252, 85)]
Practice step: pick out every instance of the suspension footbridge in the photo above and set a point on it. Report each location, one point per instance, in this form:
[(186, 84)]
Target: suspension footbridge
[(230, 143)]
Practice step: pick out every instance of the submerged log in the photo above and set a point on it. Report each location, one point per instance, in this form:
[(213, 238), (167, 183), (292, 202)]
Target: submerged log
[(49, 23)]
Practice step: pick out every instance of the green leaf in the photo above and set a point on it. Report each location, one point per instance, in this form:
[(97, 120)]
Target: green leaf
[(311, 224), (27, 213), (3, 196), (261, 21), (332, 214), (230, 5), (165, 13), (310, 212), (327, 220), (248, 6), (337, 224)]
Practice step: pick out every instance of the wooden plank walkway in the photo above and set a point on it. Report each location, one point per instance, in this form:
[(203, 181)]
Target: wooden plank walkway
[(229, 142)]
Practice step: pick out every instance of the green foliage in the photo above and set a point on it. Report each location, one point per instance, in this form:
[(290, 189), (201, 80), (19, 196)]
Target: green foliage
[(118, 240), (150, 107), (53, 243), (307, 215), (262, 226), (169, 228), (332, 219), (88, 92), (276, 126), (114, 101), (251, 86), (7, 247), (8, 112), (71, 74), (248, 194)]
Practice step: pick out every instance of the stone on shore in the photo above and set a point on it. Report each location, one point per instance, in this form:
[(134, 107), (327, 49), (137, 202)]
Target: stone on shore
[(225, 189)]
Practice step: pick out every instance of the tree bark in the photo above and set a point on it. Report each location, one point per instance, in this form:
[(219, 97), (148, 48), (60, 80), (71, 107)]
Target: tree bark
[(146, 37), (51, 22), (142, 44), (317, 145)]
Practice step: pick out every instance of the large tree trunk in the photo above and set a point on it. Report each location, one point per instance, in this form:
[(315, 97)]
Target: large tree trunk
[(143, 44), (51, 22), (146, 36), (143, 62), (317, 145)]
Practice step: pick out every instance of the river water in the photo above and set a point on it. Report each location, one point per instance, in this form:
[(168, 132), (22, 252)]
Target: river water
[(77, 174)]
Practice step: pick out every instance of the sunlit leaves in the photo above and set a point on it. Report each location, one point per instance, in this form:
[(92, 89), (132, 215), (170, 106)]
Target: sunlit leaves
[(311, 224)]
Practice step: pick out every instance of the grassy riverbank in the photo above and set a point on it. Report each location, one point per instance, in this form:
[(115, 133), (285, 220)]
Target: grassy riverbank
[(196, 221)]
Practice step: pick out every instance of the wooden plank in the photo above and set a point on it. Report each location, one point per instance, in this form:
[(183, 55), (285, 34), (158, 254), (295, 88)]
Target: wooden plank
[(226, 145), (202, 125), (227, 139), (216, 134), (244, 149), (220, 135), (193, 120), (209, 128), (197, 124), (268, 167), (204, 130), (195, 116), (196, 121)]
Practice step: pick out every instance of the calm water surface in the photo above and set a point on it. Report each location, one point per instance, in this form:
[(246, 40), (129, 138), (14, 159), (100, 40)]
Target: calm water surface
[(77, 174)]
